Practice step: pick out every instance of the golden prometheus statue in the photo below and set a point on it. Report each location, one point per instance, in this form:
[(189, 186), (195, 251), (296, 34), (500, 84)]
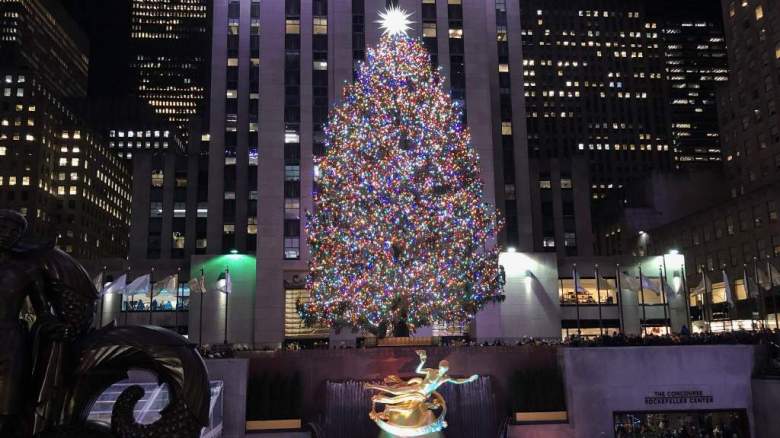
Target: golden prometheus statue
[(413, 407)]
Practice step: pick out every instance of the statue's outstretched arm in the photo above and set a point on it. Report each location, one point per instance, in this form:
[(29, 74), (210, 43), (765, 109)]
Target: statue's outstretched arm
[(423, 357), (462, 381)]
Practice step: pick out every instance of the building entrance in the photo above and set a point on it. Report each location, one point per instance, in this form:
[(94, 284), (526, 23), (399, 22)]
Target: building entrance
[(682, 424)]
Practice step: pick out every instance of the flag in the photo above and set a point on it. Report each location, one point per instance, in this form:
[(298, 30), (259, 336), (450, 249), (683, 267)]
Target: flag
[(702, 289), (578, 283), (649, 285), (98, 282), (139, 286), (763, 279), (167, 284), (751, 287), (604, 284), (198, 284), (774, 275), (729, 292), (225, 285), (115, 287), (629, 281)]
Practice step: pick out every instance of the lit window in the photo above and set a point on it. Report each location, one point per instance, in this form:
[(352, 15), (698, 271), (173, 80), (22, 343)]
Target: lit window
[(456, 33), (292, 208), (2, 150), (506, 128), (292, 137), (74, 162), (232, 94), (429, 30), (232, 62), (74, 176), (545, 184), (72, 190), (157, 178), (320, 65), (229, 228), (320, 26), (503, 68), (61, 190), (565, 183), (25, 180), (292, 26), (759, 12)]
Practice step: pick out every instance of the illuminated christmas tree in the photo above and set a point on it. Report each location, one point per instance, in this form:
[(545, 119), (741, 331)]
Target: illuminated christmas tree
[(399, 236)]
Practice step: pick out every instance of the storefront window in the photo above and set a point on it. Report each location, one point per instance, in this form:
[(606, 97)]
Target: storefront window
[(732, 424), (588, 292)]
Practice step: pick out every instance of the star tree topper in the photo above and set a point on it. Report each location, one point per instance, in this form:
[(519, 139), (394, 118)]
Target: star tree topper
[(394, 21)]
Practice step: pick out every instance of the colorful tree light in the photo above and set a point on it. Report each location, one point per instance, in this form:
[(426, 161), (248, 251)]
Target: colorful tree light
[(399, 233)]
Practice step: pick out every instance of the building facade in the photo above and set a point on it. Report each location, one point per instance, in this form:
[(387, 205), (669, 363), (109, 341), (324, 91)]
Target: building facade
[(570, 107), (169, 41), (738, 236), (53, 167), (695, 64)]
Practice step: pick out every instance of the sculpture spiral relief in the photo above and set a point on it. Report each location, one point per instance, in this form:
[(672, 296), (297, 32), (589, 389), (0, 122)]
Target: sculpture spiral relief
[(54, 366)]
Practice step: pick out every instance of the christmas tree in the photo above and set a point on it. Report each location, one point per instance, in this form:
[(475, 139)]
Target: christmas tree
[(399, 235)]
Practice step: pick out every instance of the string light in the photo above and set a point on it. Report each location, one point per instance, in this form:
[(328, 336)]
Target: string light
[(399, 229)]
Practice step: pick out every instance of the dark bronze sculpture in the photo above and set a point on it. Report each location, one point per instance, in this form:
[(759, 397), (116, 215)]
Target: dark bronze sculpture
[(54, 365)]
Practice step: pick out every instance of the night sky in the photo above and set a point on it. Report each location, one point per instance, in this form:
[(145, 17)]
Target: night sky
[(107, 26)]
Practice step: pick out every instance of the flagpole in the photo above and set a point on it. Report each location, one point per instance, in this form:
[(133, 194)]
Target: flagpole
[(761, 300), (227, 302), (200, 312), (748, 294), (703, 314), (576, 297), (124, 295), (598, 298), (667, 318), (686, 298), (176, 306), (708, 300), (730, 292), (642, 298), (619, 298), (772, 291), (151, 293), (664, 284), (102, 296)]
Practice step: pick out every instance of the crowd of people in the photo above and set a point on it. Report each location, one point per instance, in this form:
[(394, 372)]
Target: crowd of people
[(614, 339)]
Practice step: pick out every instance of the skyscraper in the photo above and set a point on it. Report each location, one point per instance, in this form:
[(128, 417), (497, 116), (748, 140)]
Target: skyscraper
[(169, 42), (596, 107), (53, 168), (696, 64), (744, 225)]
